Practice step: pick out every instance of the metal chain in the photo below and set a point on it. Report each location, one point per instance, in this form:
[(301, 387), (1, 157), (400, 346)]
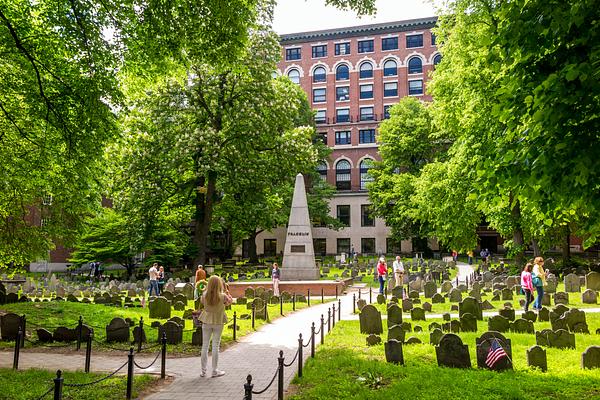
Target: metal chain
[(269, 385), (151, 364), (48, 345), (47, 392), (151, 347), (309, 340), (97, 380), (108, 346), (292, 362)]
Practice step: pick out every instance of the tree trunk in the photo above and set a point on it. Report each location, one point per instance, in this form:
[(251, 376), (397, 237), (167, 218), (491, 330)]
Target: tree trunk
[(203, 217), (566, 247), (518, 240), (536, 248), (252, 248)]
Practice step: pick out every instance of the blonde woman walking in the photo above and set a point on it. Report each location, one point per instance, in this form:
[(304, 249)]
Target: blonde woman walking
[(539, 281), (213, 318)]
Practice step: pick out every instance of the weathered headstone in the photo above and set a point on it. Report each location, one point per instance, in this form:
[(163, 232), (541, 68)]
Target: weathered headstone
[(472, 306), (173, 331), (373, 340), (589, 296), (468, 322), (483, 344), (9, 326), (573, 320), (522, 326), (506, 294), (592, 281), (438, 298), (591, 357), (455, 295), (417, 314), (64, 334), (393, 352), (544, 314), (536, 357), (430, 288), (44, 335), (446, 286), (572, 283), (498, 323), (407, 305), (529, 315), (394, 315), (370, 320), (360, 303), (396, 333), (117, 330), (561, 298), (159, 308), (435, 336), (380, 299), (451, 352), (139, 334), (560, 339)]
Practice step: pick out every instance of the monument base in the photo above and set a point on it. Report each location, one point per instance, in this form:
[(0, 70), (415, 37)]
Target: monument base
[(330, 288), (300, 274)]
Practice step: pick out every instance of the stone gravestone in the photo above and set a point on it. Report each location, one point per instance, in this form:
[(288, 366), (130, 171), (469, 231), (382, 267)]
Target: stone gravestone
[(373, 340), (468, 322), (44, 335), (173, 331), (536, 357), (592, 281), (522, 326), (188, 291), (561, 298), (396, 332), (380, 299), (417, 314), (551, 282), (64, 334), (591, 357), (455, 295), (506, 294), (117, 331), (589, 297), (446, 286), (393, 352), (430, 289), (260, 308), (159, 308), (484, 342), (435, 336), (472, 306), (298, 254), (498, 323), (544, 314), (360, 303), (507, 313), (398, 291), (560, 339), (572, 283), (451, 352), (407, 305), (370, 320), (438, 298), (139, 334), (572, 320), (9, 326), (394, 315)]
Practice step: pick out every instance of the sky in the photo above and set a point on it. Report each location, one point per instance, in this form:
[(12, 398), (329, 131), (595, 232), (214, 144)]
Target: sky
[(292, 16)]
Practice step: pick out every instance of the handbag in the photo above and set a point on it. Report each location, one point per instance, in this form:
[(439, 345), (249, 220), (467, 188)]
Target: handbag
[(537, 281)]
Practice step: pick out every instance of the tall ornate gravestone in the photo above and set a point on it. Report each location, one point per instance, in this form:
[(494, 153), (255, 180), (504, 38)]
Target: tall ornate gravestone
[(298, 254)]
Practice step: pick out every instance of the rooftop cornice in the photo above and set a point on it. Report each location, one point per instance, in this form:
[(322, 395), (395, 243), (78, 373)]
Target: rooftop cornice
[(361, 30)]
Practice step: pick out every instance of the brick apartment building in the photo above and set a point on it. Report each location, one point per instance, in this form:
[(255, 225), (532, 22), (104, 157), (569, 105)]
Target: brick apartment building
[(351, 77)]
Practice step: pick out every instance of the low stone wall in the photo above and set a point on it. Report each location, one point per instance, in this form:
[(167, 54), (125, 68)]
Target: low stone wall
[(294, 287)]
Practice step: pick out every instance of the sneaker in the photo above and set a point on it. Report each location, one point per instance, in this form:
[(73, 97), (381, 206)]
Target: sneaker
[(202, 373), (217, 373)]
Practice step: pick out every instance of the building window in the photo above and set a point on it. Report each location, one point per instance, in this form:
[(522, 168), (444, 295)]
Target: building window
[(270, 249), (415, 87), (342, 175), (320, 116), (437, 59), (343, 246), (319, 95), (392, 246), (366, 218), (390, 89), (386, 111), (319, 75), (367, 246), (414, 41), (415, 66), (366, 114), (342, 115), (342, 49), (365, 165), (389, 43), (343, 214), (390, 68), (320, 246), (342, 137), (366, 70), (366, 136), (433, 39), (322, 170), (366, 91), (292, 54), (342, 72), (342, 93), (322, 136), (365, 46), (294, 76), (319, 51)]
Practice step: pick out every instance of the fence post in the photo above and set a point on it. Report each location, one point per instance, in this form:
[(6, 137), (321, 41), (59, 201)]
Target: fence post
[(234, 325), (336, 291), (248, 386), (300, 356), (329, 320), (312, 340), (79, 332), (308, 298), (280, 377), (23, 330), (333, 317), (370, 295), (88, 352), (339, 310), (129, 373), (253, 310), (359, 293), (353, 303), (294, 301), (281, 305), (17, 349), (322, 329), (58, 384), (163, 357), (322, 296), (141, 334)]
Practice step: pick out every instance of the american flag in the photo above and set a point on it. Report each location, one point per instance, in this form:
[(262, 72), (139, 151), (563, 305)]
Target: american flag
[(495, 354)]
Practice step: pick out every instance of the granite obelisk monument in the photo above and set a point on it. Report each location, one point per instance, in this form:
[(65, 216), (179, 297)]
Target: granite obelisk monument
[(298, 254)]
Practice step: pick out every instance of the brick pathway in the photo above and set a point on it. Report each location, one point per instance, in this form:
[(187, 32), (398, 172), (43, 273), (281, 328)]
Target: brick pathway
[(255, 354)]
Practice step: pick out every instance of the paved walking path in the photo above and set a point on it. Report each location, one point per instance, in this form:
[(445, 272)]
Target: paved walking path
[(255, 354)]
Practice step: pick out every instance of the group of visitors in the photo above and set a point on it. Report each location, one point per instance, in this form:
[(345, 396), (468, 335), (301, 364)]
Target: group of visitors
[(156, 275), (382, 272), (533, 279)]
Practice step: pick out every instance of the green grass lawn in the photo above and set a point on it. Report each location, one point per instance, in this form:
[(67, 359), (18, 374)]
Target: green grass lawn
[(345, 367), (31, 384), (52, 314)]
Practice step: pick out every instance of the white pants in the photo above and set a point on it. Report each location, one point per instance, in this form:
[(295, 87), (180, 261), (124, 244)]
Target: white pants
[(399, 279), (276, 287), (208, 331)]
